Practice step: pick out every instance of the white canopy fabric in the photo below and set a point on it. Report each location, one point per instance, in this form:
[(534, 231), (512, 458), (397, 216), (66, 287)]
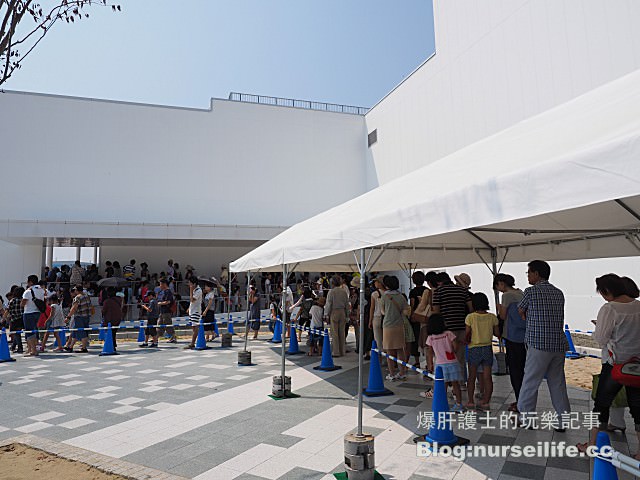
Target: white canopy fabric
[(561, 185)]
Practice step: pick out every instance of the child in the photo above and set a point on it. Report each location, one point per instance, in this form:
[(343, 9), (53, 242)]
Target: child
[(55, 321), (443, 344), (317, 324), (481, 327), (153, 311)]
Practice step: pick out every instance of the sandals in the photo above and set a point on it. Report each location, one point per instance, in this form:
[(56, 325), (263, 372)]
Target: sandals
[(582, 447), (513, 407), (470, 406), (426, 394)]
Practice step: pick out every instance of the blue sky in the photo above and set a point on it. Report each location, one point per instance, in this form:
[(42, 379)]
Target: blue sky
[(184, 52)]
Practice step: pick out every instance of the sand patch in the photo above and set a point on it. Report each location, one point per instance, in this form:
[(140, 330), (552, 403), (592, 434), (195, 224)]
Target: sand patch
[(20, 462)]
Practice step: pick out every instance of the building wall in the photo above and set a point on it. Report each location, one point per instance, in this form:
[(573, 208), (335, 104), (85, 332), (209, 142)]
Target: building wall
[(17, 262), (238, 163), (497, 63)]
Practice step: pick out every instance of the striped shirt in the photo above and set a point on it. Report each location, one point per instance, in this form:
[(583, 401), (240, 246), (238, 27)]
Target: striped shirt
[(544, 307), (452, 300), (84, 305), (129, 271)]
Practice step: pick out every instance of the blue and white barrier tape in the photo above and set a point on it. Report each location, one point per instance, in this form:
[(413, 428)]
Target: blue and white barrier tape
[(401, 362)]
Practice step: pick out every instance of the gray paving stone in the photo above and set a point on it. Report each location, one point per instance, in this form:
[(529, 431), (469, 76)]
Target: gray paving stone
[(523, 470)]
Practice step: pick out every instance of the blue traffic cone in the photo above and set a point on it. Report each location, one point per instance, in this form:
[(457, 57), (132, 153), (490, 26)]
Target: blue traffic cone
[(107, 348), (440, 432), (141, 335), (277, 332), (326, 363), (293, 343), (215, 327), (375, 386), (201, 343), (572, 353), (603, 470), (101, 334), (230, 326), (5, 355)]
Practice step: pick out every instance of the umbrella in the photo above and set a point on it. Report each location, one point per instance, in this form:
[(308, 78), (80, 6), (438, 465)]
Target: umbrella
[(117, 282), (210, 281)]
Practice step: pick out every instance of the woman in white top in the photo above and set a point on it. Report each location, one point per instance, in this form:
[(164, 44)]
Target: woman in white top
[(618, 332)]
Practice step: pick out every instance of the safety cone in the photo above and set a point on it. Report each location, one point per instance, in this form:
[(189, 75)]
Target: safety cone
[(5, 355), (141, 335), (440, 432), (375, 386), (603, 470), (230, 326), (215, 327), (277, 332), (572, 353), (101, 334), (326, 363), (293, 343), (107, 348), (201, 343)]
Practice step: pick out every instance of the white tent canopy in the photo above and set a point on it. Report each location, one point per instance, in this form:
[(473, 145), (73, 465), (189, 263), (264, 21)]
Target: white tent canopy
[(562, 185)]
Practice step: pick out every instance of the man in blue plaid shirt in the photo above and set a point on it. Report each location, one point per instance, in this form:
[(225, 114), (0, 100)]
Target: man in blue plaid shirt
[(542, 307)]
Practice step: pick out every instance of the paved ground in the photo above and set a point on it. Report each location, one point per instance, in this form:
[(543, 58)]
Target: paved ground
[(199, 415)]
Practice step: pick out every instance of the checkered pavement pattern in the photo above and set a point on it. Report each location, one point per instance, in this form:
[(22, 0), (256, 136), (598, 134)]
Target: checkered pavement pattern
[(199, 415)]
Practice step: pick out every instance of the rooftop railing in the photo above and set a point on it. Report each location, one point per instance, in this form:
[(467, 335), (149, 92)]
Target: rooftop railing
[(293, 103)]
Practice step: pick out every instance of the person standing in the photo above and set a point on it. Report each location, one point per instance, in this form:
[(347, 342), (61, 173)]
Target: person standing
[(453, 302), (77, 273), (195, 310), (415, 295), (165, 301), (394, 308), (112, 313), (375, 311), (513, 331), (129, 271), (542, 306), (209, 314), (153, 313), (336, 308), (16, 319), (618, 333), (31, 313), (81, 312)]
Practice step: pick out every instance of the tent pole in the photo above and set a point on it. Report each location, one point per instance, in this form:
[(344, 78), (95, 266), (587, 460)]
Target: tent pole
[(284, 325), (363, 269), (246, 320), (494, 271)]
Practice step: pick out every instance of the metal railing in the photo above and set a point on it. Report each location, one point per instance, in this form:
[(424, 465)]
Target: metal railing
[(293, 103)]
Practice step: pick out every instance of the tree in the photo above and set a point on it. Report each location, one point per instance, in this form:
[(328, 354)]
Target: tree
[(17, 37)]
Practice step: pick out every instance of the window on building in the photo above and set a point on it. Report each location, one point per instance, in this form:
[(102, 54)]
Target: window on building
[(373, 137)]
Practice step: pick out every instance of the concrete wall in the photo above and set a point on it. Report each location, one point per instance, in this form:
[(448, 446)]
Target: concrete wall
[(17, 262), (239, 163), (497, 63)]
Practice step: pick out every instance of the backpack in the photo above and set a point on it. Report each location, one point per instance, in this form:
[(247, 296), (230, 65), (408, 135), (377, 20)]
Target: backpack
[(41, 305), (516, 325), (305, 308)]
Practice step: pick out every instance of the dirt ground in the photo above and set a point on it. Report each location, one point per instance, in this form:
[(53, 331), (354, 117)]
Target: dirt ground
[(579, 372), (18, 462)]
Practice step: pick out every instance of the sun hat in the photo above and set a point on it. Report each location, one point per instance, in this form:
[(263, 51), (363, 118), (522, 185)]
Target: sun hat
[(464, 280)]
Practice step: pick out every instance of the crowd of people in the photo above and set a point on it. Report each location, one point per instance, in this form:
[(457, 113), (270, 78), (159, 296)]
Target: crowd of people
[(441, 323)]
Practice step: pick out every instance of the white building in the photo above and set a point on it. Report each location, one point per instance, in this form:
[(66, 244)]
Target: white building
[(152, 182)]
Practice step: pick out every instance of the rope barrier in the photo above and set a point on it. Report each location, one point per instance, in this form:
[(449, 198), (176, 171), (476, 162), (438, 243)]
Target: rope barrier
[(306, 329), (401, 362), (623, 462), (132, 327)]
